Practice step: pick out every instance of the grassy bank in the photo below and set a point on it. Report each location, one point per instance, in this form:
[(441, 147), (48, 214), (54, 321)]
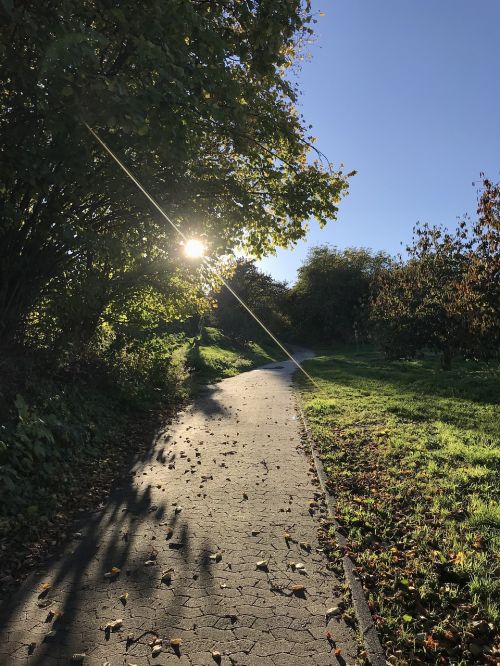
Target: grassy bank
[(69, 432), (218, 356), (413, 456)]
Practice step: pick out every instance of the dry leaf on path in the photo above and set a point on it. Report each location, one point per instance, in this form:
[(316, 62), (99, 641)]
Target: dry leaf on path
[(332, 612), (166, 576), (216, 557), (113, 626), (298, 588), (114, 571)]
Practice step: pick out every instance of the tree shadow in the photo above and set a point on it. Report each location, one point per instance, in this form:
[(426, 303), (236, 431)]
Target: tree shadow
[(476, 384), (419, 393), (87, 579), (82, 579), (207, 401)]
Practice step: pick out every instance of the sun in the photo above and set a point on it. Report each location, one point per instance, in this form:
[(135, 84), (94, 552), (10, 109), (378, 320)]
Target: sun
[(194, 248)]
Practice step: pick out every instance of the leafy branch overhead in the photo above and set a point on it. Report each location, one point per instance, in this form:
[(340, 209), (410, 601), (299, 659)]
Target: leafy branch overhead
[(194, 96)]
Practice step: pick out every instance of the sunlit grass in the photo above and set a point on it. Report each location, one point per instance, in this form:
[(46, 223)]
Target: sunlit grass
[(414, 458), (218, 357)]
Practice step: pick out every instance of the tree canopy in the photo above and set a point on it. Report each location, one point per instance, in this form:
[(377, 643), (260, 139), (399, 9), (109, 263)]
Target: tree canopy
[(329, 302), (194, 96), (446, 295)]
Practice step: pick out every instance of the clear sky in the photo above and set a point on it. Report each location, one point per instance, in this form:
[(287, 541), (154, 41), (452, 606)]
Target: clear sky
[(407, 92)]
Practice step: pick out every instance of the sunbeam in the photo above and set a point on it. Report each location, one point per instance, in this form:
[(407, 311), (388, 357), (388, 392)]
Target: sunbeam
[(190, 241)]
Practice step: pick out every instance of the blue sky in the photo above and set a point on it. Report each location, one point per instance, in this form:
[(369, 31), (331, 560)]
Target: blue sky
[(407, 92)]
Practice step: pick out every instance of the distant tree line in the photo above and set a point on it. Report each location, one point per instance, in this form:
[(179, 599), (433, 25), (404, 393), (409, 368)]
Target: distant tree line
[(443, 296)]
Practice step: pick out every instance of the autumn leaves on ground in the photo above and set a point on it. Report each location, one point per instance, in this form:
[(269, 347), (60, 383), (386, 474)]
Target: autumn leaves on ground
[(413, 456)]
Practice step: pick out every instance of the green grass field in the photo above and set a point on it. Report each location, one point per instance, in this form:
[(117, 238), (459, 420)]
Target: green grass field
[(413, 456), (218, 356)]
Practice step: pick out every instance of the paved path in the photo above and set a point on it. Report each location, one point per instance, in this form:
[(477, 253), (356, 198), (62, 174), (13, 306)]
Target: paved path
[(229, 479)]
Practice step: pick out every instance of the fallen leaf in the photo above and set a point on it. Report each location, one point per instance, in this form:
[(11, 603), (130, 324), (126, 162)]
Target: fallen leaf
[(54, 615), (298, 588), (176, 642), (114, 626), (166, 576), (114, 571), (216, 557), (332, 612), (44, 603)]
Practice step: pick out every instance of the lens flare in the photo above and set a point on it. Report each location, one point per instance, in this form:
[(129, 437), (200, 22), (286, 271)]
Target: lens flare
[(194, 248), (199, 243)]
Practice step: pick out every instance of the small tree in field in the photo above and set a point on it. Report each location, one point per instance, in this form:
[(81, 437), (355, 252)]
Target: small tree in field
[(446, 295), (420, 301), (483, 275)]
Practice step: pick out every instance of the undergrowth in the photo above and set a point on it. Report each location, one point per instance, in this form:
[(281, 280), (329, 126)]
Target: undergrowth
[(68, 432)]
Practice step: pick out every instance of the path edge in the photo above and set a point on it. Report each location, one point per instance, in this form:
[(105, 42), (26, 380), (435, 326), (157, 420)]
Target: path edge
[(374, 651)]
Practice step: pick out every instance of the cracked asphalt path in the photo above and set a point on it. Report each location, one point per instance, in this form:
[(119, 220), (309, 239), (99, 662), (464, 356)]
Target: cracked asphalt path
[(229, 479)]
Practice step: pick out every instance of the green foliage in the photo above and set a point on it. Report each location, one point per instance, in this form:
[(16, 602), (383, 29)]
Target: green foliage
[(266, 297), (446, 296), (39, 453), (330, 299), (151, 370), (413, 459), (195, 98)]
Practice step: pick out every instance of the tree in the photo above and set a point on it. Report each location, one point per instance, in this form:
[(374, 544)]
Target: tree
[(192, 94), (445, 296), (266, 297), (329, 301), (483, 272)]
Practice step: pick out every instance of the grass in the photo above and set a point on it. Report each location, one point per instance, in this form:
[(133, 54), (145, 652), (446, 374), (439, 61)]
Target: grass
[(218, 356), (413, 456)]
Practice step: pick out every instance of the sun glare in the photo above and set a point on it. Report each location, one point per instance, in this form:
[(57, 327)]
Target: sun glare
[(194, 248)]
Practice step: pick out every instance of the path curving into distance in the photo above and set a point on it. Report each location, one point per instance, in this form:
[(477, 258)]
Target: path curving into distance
[(228, 479)]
